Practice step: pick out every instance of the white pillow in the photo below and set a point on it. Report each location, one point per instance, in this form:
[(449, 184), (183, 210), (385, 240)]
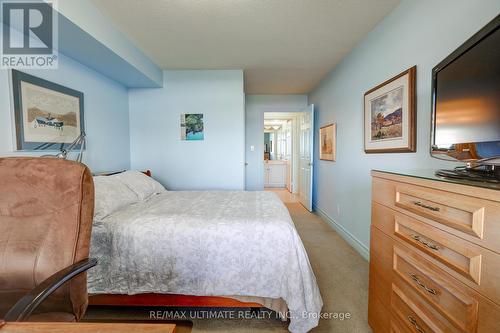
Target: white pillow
[(142, 185), (110, 196)]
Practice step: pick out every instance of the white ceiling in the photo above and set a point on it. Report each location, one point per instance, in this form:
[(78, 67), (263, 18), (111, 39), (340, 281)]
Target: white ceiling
[(284, 46)]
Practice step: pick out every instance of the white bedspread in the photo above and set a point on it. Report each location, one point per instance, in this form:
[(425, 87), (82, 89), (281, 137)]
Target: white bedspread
[(207, 243)]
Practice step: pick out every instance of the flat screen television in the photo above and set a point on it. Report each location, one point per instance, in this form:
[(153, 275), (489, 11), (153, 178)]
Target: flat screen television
[(466, 101)]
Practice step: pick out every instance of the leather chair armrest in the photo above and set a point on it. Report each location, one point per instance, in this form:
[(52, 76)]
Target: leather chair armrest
[(28, 303)]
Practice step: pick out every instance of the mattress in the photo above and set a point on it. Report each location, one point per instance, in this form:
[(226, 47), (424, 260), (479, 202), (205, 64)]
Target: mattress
[(211, 243)]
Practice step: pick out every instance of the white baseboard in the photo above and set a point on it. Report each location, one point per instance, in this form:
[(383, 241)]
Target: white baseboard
[(344, 233)]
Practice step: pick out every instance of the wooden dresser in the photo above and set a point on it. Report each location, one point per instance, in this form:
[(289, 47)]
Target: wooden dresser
[(434, 256)]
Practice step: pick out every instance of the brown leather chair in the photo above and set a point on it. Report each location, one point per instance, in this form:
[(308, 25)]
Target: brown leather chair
[(46, 212)]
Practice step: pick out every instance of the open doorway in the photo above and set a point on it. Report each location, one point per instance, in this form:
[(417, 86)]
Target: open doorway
[(288, 153), (281, 151)]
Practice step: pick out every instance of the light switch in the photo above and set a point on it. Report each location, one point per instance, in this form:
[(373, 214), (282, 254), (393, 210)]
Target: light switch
[(252, 148)]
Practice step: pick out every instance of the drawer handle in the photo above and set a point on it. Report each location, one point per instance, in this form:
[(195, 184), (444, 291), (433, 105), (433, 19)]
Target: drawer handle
[(413, 321), (420, 204), (424, 242), (417, 281)]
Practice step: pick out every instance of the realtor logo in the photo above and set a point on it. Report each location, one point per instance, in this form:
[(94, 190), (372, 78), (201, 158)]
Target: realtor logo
[(29, 34)]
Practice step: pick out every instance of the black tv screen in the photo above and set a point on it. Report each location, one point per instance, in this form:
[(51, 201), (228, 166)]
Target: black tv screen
[(467, 96)]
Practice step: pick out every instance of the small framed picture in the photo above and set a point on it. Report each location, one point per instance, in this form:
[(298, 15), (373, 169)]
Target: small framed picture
[(47, 115), (390, 115), (327, 142), (192, 128)]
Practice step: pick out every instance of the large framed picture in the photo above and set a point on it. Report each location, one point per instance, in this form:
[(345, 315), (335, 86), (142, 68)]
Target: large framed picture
[(327, 144), (47, 115), (390, 124)]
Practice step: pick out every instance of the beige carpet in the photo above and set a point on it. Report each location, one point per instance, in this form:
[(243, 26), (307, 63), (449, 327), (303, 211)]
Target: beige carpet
[(342, 276), (341, 272)]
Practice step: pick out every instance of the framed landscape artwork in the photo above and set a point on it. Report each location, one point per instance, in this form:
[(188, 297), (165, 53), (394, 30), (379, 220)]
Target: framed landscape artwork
[(390, 124), (192, 128), (47, 115), (327, 142)]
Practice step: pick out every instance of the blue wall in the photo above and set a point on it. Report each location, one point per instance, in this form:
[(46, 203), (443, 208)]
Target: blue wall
[(418, 33), (214, 163), (255, 106), (106, 114)]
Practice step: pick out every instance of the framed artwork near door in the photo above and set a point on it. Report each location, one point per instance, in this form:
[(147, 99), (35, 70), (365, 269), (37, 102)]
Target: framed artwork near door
[(390, 115), (327, 142)]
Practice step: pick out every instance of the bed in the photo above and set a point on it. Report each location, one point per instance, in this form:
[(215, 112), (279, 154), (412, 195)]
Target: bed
[(180, 248)]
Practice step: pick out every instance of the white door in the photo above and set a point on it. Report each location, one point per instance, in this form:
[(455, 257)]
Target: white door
[(306, 157)]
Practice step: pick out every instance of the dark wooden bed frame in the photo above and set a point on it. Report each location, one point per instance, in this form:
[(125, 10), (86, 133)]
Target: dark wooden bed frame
[(169, 300)]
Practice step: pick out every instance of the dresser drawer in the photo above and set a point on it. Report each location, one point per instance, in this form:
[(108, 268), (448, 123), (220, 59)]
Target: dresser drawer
[(413, 310), (414, 313), (397, 326), (468, 217), (458, 304), (473, 265)]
